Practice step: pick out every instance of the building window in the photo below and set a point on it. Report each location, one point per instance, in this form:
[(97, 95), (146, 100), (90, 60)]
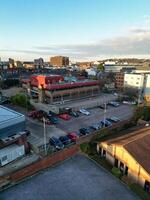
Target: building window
[(147, 186), (121, 167), (116, 162), (104, 153), (4, 158), (126, 170), (137, 83)]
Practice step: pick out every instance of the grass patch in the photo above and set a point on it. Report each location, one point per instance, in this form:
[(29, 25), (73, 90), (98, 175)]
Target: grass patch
[(139, 191)]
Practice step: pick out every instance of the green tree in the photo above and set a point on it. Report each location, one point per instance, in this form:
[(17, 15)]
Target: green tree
[(100, 67)]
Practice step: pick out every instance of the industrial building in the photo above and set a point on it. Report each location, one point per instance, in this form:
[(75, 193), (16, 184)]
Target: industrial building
[(11, 122), (59, 61), (131, 154), (56, 88), (13, 138)]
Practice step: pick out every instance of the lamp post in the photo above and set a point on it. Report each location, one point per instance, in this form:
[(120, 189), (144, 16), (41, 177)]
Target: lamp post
[(44, 129)]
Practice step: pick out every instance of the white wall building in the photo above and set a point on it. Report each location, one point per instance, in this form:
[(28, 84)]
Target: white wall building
[(133, 80)]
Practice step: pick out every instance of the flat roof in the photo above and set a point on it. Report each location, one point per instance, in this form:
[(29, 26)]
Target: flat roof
[(9, 117)]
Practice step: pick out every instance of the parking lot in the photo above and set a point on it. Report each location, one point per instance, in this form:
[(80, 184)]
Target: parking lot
[(76, 178), (123, 112), (36, 138)]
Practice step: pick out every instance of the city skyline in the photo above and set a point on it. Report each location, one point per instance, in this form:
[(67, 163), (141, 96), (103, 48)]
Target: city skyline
[(82, 30)]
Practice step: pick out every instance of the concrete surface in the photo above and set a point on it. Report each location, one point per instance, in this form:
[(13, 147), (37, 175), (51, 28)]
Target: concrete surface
[(75, 179)]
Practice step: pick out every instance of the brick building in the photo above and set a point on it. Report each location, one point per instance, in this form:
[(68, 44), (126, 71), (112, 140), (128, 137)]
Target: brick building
[(119, 80), (54, 88), (59, 61)]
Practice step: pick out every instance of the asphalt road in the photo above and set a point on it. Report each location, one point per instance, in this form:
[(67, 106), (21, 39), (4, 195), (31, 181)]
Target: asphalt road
[(123, 112), (75, 179)]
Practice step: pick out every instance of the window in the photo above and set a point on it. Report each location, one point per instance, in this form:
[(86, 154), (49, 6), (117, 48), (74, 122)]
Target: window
[(4, 158), (104, 153), (126, 171), (116, 162), (137, 83), (147, 186)]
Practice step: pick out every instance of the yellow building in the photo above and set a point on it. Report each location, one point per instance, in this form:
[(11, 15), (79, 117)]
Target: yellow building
[(131, 154)]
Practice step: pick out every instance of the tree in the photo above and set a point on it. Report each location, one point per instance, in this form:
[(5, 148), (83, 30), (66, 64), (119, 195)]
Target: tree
[(100, 67)]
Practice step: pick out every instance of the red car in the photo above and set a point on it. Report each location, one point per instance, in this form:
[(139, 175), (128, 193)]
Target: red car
[(73, 136), (65, 116), (30, 114)]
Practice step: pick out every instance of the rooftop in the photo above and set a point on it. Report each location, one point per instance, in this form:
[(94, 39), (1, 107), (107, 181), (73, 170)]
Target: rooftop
[(137, 144)]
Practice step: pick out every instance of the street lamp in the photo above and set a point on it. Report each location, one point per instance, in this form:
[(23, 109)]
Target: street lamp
[(44, 128)]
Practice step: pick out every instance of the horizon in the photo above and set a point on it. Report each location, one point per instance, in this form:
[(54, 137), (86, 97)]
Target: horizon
[(82, 30)]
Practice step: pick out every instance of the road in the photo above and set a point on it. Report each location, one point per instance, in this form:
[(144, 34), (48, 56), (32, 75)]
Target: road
[(75, 179)]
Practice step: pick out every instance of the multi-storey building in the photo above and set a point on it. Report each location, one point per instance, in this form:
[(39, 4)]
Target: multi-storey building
[(119, 80), (59, 61)]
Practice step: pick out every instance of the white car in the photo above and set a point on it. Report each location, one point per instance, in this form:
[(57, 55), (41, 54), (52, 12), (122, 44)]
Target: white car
[(85, 112)]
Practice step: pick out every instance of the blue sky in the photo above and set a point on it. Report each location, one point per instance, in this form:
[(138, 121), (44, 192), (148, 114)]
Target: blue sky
[(81, 29)]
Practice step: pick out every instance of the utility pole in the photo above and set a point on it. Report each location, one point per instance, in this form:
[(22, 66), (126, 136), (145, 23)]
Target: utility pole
[(44, 127), (104, 113)]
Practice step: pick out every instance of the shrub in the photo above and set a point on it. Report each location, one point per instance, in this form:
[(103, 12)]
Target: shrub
[(116, 172)]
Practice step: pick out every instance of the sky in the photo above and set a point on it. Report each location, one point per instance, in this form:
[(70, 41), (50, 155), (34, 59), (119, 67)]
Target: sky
[(81, 29)]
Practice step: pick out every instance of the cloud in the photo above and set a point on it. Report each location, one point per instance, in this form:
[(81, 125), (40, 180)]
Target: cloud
[(136, 42)]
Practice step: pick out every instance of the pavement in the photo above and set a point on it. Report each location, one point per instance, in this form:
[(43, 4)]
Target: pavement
[(75, 179)]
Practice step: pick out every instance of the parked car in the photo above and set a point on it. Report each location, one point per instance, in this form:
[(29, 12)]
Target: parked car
[(84, 111), (114, 119), (74, 114), (65, 116), (105, 123), (53, 119), (95, 126), (65, 140), (84, 131), (56, 143), (73, 136), (113, 103)]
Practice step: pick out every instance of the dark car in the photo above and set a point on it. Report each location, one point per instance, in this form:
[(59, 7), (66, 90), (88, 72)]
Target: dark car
[(84, 131), (53, 119), (56, 143), (65, 140), (95, 126), (105, 123), (74, 114), (113, 103)]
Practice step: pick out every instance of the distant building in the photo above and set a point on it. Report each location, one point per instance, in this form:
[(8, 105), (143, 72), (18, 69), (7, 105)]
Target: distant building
[(28, 65), (11, 63), (131, 155), (84, 65), (59, 61), (18, 64), (119, 80), (115, 67), (39, 63)]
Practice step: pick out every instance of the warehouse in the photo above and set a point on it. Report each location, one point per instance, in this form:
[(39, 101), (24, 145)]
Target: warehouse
[(11, 122)]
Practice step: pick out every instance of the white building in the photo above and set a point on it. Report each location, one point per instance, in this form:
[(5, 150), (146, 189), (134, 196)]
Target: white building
[(140, 81), (134, 80)]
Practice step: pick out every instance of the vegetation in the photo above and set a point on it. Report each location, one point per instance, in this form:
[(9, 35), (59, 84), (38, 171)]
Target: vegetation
[(100, 67), (21, 100), (142, 112), (139, 191), (116, 172)]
